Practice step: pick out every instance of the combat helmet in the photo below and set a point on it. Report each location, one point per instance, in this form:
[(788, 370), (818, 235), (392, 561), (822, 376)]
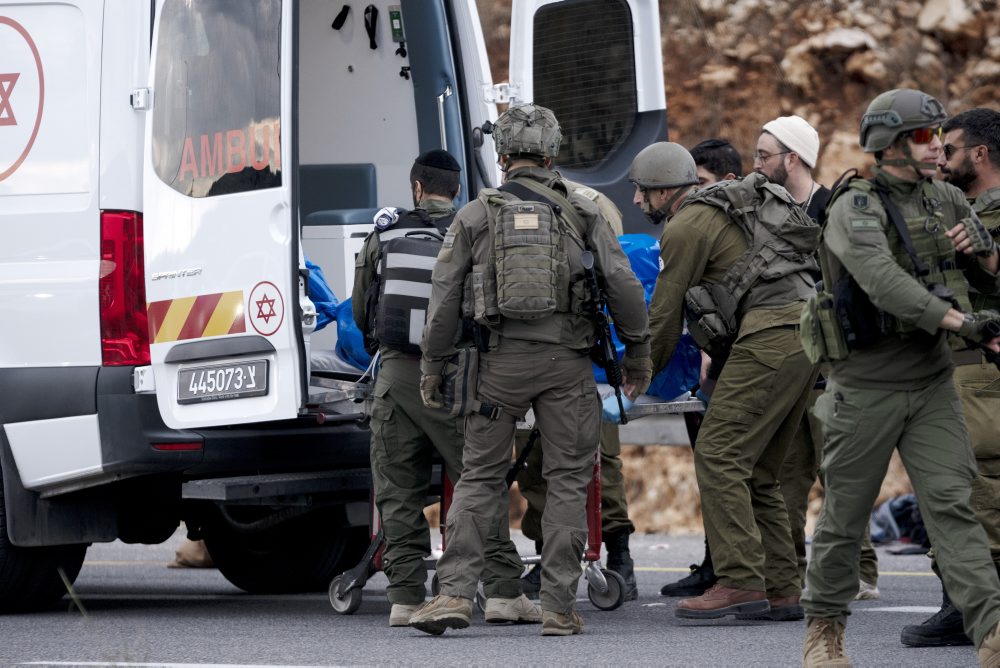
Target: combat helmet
[(895, 112), (527, 129), (663, 165)]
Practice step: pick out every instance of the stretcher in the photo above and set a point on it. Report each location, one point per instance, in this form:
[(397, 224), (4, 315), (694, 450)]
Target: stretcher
[(605, 588)]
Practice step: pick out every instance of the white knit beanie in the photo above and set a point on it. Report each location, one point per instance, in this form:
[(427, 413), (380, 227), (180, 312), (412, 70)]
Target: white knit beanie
[(796, 133)]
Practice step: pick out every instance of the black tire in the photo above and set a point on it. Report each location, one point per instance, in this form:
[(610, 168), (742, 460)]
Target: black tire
[(30, 577), (300, 555)]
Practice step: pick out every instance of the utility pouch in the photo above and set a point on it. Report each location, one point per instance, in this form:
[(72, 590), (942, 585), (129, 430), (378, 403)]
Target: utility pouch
[(531, 272), (482, 294), (819, 330), (861, 323), (460, 381), (711, 318)]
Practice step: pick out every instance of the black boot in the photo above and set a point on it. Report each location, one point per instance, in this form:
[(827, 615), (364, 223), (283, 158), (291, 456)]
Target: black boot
[(700, 580), (620, 561), (531, 582), (942, 629)]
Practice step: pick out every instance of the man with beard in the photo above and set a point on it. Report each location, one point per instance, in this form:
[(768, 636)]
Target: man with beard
[(970, 160), (786, 154)]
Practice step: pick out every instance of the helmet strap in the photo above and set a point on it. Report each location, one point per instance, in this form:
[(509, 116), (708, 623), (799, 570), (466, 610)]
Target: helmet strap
[(907, 161)]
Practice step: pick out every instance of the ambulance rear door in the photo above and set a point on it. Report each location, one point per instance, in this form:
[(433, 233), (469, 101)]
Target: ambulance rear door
[(598, 65), (221, 242)]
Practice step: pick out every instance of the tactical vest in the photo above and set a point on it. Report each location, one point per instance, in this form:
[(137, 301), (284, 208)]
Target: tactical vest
[(987, 206), (776, 269), (927, 214), (407, 253), (527, 273)]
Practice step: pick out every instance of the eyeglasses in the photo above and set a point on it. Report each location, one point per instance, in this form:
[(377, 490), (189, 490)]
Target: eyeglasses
[(925, 135), (950, 150), (764, 156)]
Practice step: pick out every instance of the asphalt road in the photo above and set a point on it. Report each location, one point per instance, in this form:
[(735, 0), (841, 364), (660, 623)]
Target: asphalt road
[(140, 613)]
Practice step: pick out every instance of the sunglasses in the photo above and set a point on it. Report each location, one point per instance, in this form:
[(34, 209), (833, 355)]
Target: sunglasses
[(925, 135), (950, 149)]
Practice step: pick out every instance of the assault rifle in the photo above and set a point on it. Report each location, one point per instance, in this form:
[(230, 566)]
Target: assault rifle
[(603, 353), (991, 328)]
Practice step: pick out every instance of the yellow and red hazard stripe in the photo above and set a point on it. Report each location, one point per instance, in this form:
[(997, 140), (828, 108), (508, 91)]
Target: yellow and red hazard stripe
[(196, 317)]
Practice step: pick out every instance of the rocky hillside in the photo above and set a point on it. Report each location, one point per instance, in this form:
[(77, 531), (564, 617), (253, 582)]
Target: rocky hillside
[(732, 65)]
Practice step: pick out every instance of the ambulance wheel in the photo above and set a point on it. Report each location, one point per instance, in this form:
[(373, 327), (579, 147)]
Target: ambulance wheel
[(31, 578), (350, 602), (613, 597), (298, 555)]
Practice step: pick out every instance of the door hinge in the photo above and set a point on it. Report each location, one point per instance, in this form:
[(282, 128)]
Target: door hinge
[(141, 99), (502, 93)]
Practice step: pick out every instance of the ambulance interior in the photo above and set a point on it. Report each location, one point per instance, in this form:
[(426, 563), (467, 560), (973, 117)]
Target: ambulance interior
[(364, 114)]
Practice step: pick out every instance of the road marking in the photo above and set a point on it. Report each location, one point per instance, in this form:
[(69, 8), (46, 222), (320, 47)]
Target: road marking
[(116, 664), (908, 574), (923, 609)]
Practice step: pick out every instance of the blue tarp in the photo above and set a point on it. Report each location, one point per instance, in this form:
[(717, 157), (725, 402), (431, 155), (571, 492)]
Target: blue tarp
[(322, 296)]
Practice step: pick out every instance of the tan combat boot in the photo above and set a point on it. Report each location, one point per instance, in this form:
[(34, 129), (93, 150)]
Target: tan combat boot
[(989, 651), (561, 624), (442, 612), (512, 611), (401, 613), (824, 645)]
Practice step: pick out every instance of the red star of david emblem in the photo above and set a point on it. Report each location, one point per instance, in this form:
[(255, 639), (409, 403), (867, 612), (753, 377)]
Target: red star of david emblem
[(261, 313), (7, 82)]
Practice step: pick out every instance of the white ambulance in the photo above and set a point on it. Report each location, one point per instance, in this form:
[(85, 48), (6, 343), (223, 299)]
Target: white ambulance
[(165, 168)]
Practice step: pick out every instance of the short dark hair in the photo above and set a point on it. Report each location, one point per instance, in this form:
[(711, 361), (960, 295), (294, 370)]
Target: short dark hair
[(436, 181), (981, 126), (717, 156)]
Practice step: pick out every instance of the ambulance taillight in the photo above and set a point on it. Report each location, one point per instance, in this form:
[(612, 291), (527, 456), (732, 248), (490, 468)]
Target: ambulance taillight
[(124, 332)]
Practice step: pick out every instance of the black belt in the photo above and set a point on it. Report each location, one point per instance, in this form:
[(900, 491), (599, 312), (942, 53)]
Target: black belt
[(967, 357)]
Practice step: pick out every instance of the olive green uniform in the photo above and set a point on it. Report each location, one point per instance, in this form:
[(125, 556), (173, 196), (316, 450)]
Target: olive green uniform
[(978, 383), (541, 364), (897, 393), (798, 473), (754, 412), (531, 484), (405, 435)]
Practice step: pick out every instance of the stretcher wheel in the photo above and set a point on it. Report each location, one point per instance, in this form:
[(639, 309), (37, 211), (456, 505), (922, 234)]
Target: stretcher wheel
[(350, 602), (613, 597), (481, 598), (435, 585)]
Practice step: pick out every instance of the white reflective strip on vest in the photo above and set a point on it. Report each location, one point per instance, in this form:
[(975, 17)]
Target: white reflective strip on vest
[(409, 261), (417, 318), (407, 288)]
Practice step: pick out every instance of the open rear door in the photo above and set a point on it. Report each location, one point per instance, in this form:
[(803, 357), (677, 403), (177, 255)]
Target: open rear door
[(598, 65), (221, 241)]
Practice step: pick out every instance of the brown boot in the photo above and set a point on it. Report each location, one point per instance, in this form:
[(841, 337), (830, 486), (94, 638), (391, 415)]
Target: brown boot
[(989, 651), (720, 601), (824, 646), (783, 609)]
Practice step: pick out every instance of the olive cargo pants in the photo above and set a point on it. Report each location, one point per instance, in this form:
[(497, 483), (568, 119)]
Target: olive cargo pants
[(798, 473), (614, 506), (405, 435), (979, 389), (861, 428), (754, 413), (558, 384)]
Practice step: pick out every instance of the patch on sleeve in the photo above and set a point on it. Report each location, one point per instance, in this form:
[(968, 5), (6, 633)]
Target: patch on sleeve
[(589, 193), (862, 224), (449, 240), (860, 201)]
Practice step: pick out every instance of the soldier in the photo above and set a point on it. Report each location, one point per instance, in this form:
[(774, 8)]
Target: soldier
[(615, 523), (404, 433), (713, 259), (787, 149), (896, 254), (970, 160), (514, 260), (715, 160)]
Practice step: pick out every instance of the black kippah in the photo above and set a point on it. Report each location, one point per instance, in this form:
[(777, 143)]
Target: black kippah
[(438, 159)]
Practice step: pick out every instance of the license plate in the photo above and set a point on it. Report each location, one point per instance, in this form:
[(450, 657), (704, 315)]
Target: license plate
[(221, 382)]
